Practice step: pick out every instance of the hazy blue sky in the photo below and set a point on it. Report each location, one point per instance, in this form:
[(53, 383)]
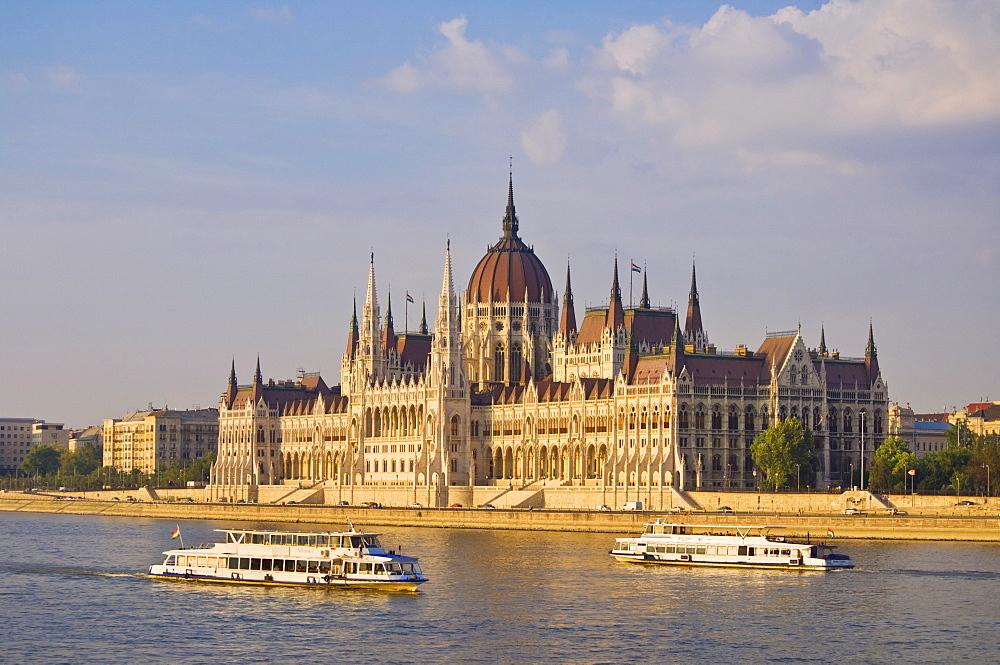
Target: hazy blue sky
[(182, 183)]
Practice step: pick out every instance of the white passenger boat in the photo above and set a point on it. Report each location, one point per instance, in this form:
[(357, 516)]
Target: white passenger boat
[(293, 558), (725, 546)]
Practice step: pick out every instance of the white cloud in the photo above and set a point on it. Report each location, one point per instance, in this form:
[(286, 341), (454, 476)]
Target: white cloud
[(460, 64), (267, 15), (544, 140), (635, 49), (848, 66), (558, 59), (62, 76)]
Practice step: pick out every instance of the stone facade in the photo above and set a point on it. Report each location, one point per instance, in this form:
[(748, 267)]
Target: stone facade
[(153, 440), (509, 393)]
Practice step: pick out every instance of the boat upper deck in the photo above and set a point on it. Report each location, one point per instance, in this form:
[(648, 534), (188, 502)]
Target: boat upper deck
[(346, 539)]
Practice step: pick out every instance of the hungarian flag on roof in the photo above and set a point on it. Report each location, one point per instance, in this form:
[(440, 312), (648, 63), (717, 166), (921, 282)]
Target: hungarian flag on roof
[(409, 298), (636, 268)]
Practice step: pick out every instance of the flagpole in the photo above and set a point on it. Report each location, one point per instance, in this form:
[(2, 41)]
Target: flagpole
[(406, 312)]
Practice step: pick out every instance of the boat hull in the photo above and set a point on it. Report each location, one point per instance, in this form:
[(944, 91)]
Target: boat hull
[(311, 581), (768, 565)]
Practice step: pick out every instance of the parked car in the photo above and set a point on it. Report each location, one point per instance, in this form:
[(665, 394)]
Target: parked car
[(416, 505), (603, 507), (488, 506), (455, 505), (370, 504), (726, 509), (966, 503), (851, 511), (343, 503)]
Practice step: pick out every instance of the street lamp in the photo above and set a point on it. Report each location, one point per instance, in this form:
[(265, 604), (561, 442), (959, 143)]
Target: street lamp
[(798, 483), (987, 479), (852, 475), (861, 428)]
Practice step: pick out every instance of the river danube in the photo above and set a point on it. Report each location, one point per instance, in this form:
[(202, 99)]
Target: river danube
[(73, 590)]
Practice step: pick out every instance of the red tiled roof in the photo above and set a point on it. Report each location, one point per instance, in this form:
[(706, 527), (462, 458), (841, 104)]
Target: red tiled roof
[(776, 349), (414, 349), (703, 368)]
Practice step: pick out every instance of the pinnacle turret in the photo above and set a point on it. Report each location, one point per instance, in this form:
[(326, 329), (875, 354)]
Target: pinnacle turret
[(567, 322)]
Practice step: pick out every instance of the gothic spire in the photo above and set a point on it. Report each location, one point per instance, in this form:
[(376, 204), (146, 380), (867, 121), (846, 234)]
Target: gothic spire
[(389, 331), (822, 340), (644, 300), (567, 322), (423, 319), (352, 333), (616, 315), (871, 355), (232, 389), (694, 331), (510, 222)]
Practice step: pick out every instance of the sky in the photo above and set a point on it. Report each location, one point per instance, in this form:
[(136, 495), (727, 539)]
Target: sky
[(186, 184)]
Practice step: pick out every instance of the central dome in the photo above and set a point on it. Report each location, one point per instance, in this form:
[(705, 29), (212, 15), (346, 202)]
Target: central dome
[(510, 270)]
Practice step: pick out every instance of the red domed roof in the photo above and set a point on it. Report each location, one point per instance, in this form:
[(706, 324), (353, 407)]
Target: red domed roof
[(509, 267)]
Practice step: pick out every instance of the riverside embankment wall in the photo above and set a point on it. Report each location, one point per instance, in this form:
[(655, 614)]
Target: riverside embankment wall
[(883, 527)]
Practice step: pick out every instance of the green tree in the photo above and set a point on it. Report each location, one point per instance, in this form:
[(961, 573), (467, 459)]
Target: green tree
[(41, 461), (937, 469), (781, 448), (80, 462), (889, 465)]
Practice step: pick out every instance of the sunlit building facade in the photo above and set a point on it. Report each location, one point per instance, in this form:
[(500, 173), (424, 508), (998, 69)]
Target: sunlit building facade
[(508, 391)]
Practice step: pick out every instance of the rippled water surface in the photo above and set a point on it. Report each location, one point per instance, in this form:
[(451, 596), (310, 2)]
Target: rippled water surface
[(72, 590)]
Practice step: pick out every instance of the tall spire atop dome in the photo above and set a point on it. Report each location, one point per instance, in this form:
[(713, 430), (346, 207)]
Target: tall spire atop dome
[(822, 340), (510, 222)]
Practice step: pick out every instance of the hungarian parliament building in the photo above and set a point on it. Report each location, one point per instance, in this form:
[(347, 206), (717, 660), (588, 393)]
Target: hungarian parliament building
[(512, 396)]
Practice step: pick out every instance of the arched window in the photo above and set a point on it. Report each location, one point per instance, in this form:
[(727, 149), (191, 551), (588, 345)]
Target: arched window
[(515, 361), (848, 421), (499, 364), (734, 419), (699, 417), (454, 425), (834, 420), (683, 421), (748, 419), (805, 375), (765, 418), (716, 417), (878, 422), (716, 462)]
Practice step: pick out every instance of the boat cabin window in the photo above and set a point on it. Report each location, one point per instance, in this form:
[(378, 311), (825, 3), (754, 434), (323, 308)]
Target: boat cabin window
[(234, 537)]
